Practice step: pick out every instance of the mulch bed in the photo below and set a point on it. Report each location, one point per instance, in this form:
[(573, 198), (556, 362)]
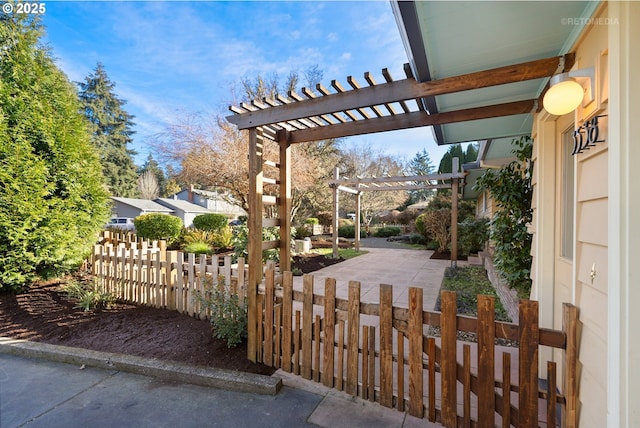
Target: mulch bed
[(46, 314)]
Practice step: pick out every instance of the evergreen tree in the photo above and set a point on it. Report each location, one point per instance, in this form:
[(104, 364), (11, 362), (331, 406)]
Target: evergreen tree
[(471, 154), (420, 165), (111, 131), (53, 199)]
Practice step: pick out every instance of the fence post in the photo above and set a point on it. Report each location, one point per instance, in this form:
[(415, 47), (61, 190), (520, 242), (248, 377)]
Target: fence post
[(570, 328), (416, 407), (486, 360), (307, 325), (528, 364), (329, 331), (386, 345), (287, 314), (448, 368), (172, 259), (353, 338)]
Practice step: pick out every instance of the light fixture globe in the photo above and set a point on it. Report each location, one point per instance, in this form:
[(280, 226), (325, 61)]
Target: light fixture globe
[(564, 95)]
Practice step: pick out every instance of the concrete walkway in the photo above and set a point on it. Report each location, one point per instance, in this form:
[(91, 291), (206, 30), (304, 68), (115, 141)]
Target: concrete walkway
[(385, 263)]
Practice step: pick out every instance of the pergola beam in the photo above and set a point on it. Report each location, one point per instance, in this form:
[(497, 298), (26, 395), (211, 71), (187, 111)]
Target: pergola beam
[(398, 91), (408, 120)]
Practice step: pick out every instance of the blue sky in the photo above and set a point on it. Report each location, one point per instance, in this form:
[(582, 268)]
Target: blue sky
[(168, 57)]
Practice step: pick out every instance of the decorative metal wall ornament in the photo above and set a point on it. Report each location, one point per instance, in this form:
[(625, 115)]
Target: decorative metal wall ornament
[(586, 135)]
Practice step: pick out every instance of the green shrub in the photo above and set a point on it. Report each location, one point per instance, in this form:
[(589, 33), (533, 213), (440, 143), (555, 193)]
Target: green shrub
[(53, 200), (473, 234), (228, 311), (90, 296), (241, 242), (416, 238), (511, 189), (385, 232), (197, 247), (210, 222), (350, 232), (435, 224), (312, 220), (158, 226)]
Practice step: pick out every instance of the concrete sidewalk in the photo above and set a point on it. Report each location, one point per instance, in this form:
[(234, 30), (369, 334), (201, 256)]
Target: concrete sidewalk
[(41, 393)]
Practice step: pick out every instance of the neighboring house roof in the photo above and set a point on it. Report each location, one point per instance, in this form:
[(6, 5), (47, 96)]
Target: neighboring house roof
[(491, 154), (144, 205), (179, 204)]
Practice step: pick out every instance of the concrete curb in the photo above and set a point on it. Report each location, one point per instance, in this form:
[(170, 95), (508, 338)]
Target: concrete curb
[(164, 370)]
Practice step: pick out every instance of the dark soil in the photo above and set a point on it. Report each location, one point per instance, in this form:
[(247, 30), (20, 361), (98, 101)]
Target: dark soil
[(46, 314), (311, 262), (445, 255)]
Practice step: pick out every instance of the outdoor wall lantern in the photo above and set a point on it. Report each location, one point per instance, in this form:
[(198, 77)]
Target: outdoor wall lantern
[(568, 90)]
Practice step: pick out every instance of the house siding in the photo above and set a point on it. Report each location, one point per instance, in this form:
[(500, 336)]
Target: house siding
[(571, 278)]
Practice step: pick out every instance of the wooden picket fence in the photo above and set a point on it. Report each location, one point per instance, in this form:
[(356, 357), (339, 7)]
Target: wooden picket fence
[(381, 353), (150, 275)]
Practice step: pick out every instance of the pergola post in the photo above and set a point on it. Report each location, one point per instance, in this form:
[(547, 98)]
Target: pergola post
[(358, 207), (285, 206), (455, 166), (335, 216), (255, 237)]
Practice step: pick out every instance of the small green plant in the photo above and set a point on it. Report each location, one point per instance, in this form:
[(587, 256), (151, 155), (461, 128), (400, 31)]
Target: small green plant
[(197, 247), (228, 311), (223, 238), (312, 220), (90, 296)]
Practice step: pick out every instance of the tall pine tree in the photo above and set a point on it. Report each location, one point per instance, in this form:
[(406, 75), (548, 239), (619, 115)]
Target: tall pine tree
[(111, 128)]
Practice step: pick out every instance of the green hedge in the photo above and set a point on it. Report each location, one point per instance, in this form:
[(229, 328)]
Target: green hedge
[(210, 222), (350, 232), (158, 226), (385, 232)]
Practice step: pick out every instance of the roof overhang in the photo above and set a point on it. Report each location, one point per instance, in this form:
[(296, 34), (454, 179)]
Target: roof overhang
[(445, 39)]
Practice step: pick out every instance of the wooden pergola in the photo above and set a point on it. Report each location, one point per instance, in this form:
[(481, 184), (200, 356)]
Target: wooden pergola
[(342, 112), (356, 186)]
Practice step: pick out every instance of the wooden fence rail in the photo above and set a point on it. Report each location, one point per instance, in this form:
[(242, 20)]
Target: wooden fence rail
[(164, 279), (381, 353)]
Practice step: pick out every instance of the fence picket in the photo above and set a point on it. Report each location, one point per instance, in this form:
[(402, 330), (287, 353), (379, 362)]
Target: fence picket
[(340, 376), (365, 363), (400, 366), (506, 390), (551, 394), (448, 360), (466, 384), (386, 345), (287, 307), (269, 292), (353, 345), (307, 325), (372, 362), (486, 360), (316, 349), (296, 345), (528, 364), (431, 355), (329, 331), (416, 407)]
